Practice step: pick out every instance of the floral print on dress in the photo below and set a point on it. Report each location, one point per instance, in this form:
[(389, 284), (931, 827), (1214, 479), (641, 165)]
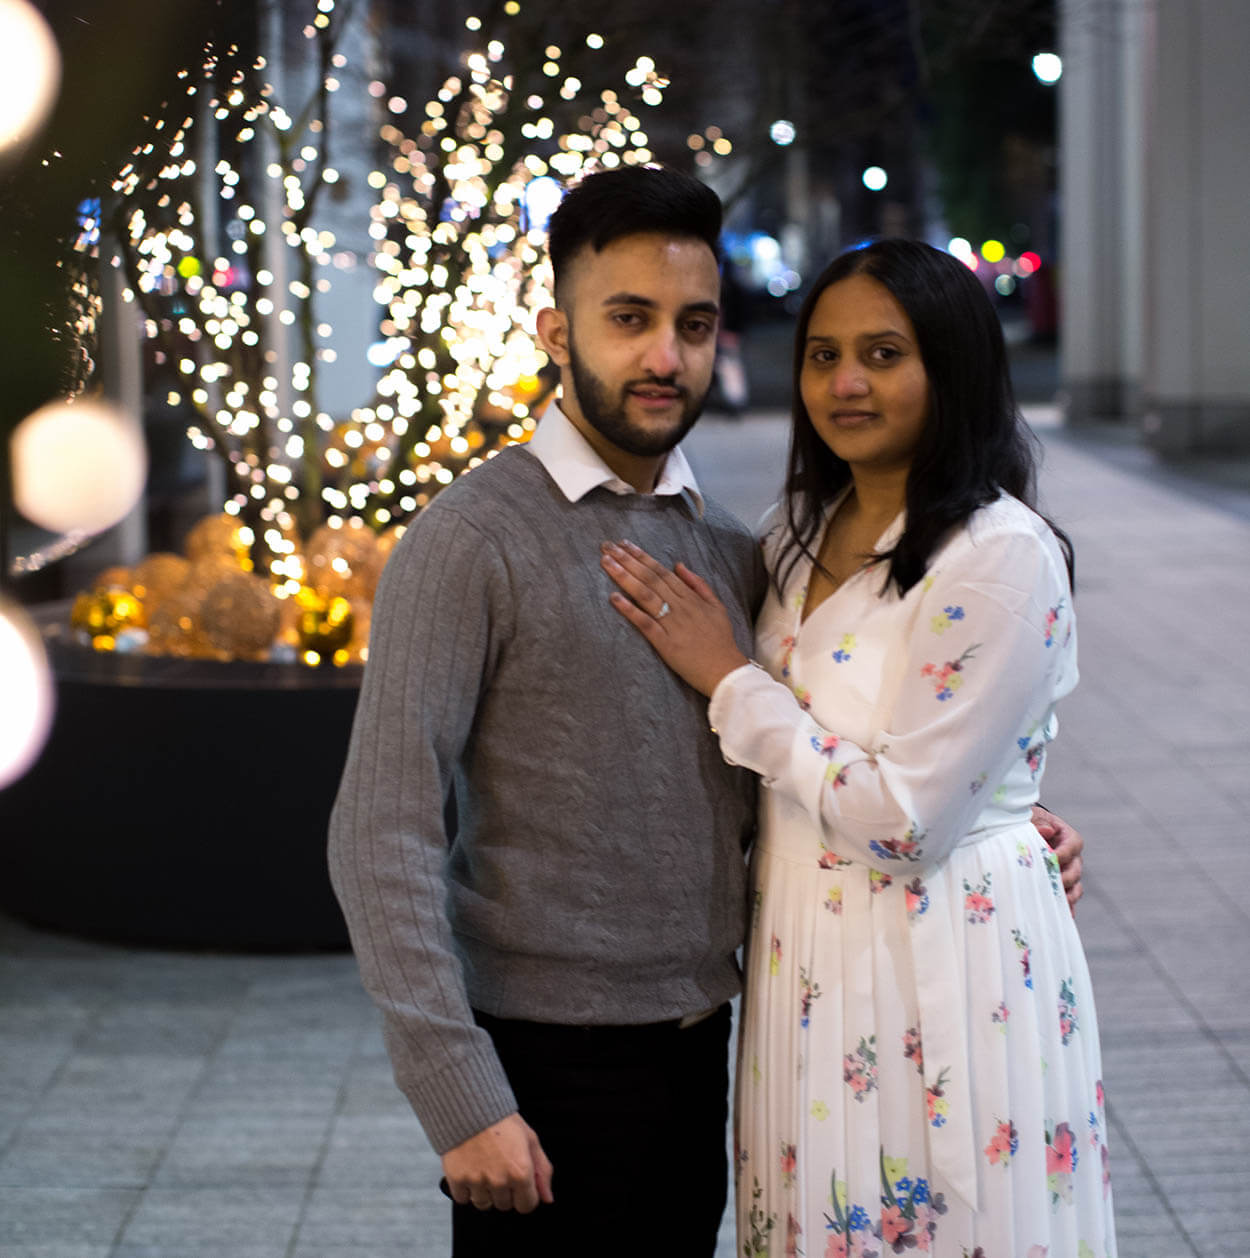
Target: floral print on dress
[(877, 881), (912, 1048), (833, 901), (917, 899), (843, 654), (787, 646), (1068, 1021), (946, 677), (1052, 618), (909, 1211), (905, 849), (829, 859), (1022, 948), (774, 957), (1061, 1160), (977, 783), (940, 624), (1024, 854), (1002, 1147), (1000, 1015), (859, 1069), (789, 1161), (935, 1100), (761, 1225), (978, 904), (1051, 861), (849, 1230), (808, 992), (1034, 754)]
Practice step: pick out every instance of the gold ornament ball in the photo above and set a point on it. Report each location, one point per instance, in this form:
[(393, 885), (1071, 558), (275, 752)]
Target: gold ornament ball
[(115, 578), (103, 614), (219, 536), (174, 626), (325, 624), (159, 576), (344, 561), (240, 615)]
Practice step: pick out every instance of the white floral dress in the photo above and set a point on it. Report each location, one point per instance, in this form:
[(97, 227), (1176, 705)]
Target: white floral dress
[(919, 1063)]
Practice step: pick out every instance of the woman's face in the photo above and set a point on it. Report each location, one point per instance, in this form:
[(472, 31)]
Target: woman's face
[(863, 383)]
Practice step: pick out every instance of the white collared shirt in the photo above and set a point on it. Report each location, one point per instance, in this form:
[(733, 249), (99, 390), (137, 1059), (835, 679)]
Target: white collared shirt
[(575, 466)]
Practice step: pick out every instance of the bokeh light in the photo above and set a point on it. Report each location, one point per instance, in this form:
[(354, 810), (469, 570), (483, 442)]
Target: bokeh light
[(78, 467), (993, 251), (30, 72), (782, 132), (875, 178), (1048, 67), (26, 694)]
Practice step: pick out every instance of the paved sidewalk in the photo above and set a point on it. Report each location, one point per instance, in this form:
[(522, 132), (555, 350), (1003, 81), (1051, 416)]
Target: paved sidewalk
[(168, 1105)]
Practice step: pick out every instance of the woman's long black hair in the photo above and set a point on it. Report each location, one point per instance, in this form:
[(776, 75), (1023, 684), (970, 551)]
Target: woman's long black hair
[(974, 446)]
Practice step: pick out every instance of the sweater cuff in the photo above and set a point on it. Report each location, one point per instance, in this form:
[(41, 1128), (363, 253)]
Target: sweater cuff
[(461, 1101)]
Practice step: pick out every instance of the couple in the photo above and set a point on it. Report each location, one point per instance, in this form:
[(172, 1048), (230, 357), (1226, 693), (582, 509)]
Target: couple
[(918, 1059)]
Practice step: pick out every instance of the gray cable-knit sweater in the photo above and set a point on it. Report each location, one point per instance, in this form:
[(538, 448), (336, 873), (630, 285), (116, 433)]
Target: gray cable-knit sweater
[(596, 873)]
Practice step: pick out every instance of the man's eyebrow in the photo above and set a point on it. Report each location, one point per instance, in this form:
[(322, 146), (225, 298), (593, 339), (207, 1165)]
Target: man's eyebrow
[(628, 299), (636, 299)]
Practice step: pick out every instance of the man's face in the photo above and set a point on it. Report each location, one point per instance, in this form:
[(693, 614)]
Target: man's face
[(637, 334)]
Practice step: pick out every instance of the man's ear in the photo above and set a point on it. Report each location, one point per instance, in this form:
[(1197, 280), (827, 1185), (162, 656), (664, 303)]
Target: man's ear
[(553, 332)]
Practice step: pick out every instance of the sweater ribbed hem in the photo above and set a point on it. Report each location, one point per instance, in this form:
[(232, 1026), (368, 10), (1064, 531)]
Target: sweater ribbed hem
[(466, 1098)]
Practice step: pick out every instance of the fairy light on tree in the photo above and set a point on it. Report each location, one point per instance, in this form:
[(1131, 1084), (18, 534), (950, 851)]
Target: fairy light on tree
[(213, 219), (207, 271), (462, 265)]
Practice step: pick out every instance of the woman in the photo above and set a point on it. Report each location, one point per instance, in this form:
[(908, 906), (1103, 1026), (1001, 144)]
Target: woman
[(919, 1062)]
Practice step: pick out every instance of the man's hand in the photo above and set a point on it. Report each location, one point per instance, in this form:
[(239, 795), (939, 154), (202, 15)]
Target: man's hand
[(1068, 846), (501, 1168)]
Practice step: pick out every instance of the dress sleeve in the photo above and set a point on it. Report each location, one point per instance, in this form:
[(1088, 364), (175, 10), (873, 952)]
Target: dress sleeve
[(440, 620), (989, 648)]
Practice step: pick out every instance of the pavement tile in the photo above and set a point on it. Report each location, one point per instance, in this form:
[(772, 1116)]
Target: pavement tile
[(78, 1156), (224, 1151), (227, 1219), (360, 1219), (53, 1216)]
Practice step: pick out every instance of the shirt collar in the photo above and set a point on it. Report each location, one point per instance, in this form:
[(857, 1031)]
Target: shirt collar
[(575, 466)]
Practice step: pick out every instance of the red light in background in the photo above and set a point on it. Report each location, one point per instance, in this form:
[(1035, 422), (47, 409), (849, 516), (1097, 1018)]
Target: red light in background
[(1029, 262)]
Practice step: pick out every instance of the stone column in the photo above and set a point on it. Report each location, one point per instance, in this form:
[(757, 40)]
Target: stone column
[(1155, 177), (1196, 379)]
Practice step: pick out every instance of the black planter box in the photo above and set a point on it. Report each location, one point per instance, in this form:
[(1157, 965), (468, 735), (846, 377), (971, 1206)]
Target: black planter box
[(181, 803)]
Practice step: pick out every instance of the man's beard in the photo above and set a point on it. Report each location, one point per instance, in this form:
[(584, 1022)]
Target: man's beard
[(607, 416)]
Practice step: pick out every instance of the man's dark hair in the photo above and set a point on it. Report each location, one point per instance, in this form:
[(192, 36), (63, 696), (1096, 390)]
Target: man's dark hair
[(611, 204)]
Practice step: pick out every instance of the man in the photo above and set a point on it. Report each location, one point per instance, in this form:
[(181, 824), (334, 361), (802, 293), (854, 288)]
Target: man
[(554, 976)]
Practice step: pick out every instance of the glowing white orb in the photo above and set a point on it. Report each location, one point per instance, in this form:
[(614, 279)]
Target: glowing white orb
[(1048, 67), (77, 467), (26, 696), (30, 72), (875, 178), (782, 132)]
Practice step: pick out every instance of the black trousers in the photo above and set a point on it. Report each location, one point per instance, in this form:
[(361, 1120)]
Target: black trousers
[(633, 1120)]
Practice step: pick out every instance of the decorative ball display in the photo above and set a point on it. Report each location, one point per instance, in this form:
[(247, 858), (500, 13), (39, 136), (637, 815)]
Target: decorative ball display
[(115, 578), (174, 626), (344, 562), (239, 615), (324, 627), (103, 614), (158, 577), (219, 536)]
